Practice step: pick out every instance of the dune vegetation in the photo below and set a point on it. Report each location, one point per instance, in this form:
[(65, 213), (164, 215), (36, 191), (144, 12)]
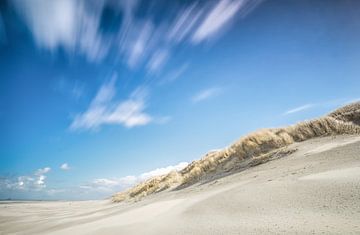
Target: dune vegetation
[(250, 150)]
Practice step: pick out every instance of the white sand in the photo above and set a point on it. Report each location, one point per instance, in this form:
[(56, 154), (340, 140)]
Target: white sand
[(314, 190), (353, 172)]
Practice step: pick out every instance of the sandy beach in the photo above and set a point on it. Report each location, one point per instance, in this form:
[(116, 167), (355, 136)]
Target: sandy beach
[(316, 189), (217, 117)]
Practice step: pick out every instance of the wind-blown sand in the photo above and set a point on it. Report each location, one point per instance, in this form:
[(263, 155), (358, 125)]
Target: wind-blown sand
[(315, 189)]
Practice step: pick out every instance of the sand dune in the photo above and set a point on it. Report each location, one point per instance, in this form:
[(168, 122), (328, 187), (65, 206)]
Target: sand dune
[(303, 192), (249, 150)]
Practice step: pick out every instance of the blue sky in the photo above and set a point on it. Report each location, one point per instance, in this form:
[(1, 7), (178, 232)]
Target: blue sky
[(98, 95)]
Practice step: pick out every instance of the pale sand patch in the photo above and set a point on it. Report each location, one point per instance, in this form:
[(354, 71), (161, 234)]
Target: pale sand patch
[(353, 172), (137, 215), (328, 146)]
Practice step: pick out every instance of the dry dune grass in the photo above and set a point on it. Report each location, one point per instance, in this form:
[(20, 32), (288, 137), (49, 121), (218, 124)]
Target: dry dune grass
[(348, 113), (258, 146)]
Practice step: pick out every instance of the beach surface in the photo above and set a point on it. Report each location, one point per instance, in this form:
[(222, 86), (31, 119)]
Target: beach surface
[(314, 190)]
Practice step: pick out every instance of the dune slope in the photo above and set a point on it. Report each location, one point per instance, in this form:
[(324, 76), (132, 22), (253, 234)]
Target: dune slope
[(249, 150), (314, 190)]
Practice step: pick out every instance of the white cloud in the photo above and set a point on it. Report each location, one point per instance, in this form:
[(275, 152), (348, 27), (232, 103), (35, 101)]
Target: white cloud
[(99, 188), (144, 44), (52, 23), (299, 109), (35, 182), (41, 180), (217, 18), (22, 183), (77, 91), (206, 94), (105, 182), (117, 184), (110, 185), (174, 74), (70, 88), (65, 167), (162, 171), (76, 27), (42, 171), (162, 120), (137, 42), (184, 23), (157, 60), (353, 100), (68, 24), (104, 110), (55, 191), (325, 104)]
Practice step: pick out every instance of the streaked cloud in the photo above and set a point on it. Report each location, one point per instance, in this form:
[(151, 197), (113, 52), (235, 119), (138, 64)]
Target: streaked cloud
[(136, 44), (42, 171), (217, 18), (70, 88), (325, 104), (60, 27), (105, 110), (139, 42), (157, 60), (299, 109), (163, 119), (67, 24), (352, 100), (65, 166), (185, 23), (174, 74), (206, 94)]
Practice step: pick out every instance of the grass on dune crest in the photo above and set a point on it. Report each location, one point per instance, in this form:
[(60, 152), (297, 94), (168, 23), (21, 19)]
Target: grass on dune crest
[(256, 146)]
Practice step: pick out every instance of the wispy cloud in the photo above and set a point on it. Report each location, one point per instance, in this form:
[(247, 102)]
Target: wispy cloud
[(42, 171), (185, 23), (65, 23), (163, 120), (206, 94), (76, 27), (217, 18), (299, 109), (105, 110), (136, 44), (70, 88), (352, 100), (325, 104), (65, 167), (157, 60), (174, 74)]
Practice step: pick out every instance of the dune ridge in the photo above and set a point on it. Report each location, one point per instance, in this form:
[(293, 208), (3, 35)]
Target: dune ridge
[(250, 150)]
